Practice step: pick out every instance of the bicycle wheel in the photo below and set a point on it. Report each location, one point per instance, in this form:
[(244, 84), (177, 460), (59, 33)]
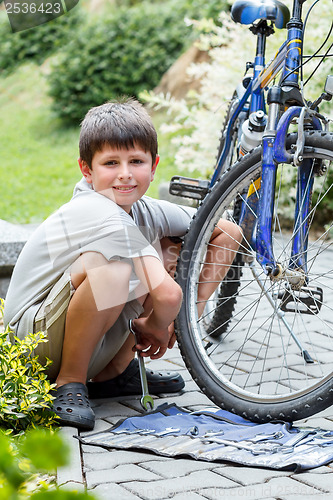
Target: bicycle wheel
[(256, 369)]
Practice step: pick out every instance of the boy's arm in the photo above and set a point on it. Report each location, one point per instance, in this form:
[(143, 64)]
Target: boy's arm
[(166, 296)]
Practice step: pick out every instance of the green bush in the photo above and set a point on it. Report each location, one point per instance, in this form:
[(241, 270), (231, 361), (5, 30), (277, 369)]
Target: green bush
[(199, 9), (25, 398), (24, 462), (118, 54), (196, 9), (35, 44)]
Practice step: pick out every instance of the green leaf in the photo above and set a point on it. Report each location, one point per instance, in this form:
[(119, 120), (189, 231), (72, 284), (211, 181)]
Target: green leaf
[(45, 449)]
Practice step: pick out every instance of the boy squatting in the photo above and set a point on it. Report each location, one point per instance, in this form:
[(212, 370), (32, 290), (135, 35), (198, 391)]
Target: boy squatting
[(103, 258)]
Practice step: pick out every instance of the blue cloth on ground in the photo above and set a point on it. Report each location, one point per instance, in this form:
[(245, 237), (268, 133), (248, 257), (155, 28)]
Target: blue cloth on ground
[(213, 434)]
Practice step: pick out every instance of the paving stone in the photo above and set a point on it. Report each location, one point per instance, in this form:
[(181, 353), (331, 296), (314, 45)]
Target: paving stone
[(176, 467), (113, 458), (187, 398), (100, 425), (188, 495), (190, 385), (248, 475), (87, 448), (112, 407), (113, 420), (119, 474), (166, 488), (115, 408), (320, 496), (324, 469), (185, 374), (320, 481), (275, 488), (72, 474), (113, 492)]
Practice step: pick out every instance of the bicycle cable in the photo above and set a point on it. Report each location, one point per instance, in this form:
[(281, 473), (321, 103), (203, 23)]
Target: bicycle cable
[(320, 62), (300, 66), (304, 26)]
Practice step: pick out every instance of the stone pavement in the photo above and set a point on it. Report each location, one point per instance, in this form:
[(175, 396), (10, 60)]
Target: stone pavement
[(129, 475)]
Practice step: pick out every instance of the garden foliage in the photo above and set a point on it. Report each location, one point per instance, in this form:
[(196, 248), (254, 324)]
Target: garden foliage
[(122, 53), (35, 44), (25, 398), (197, 9), (27, 464), (30, 451)]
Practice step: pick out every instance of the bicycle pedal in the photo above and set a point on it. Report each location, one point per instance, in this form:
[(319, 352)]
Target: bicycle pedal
[(189, 188), (308, 300)]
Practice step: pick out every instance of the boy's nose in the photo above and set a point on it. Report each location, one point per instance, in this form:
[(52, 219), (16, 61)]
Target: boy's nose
[(124, 172)]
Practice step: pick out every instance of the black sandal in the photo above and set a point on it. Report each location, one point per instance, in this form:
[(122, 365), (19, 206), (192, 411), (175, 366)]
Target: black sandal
[(72, 406), (128, 383)]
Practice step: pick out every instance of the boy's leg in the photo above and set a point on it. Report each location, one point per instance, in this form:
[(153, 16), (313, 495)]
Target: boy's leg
[(103, 386), (93, 309), (221, 252), (224, 244)]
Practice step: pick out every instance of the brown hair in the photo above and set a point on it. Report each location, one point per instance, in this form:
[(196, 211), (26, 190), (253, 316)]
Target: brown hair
[(121, 124)]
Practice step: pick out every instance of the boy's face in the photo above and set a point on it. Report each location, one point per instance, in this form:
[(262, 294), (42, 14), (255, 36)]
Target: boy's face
[(123, 175)]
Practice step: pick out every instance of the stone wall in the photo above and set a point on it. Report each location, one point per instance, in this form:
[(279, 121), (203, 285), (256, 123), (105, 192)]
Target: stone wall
[(12, 239)]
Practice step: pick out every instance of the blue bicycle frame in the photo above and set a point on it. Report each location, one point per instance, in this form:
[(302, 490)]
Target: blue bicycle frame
[(257, 207)]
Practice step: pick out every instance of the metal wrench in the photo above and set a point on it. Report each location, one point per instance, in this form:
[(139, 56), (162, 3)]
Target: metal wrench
[(146, 400)]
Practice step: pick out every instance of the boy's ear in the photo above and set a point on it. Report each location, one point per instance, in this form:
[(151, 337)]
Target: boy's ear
[(86, 171), (153, 168)]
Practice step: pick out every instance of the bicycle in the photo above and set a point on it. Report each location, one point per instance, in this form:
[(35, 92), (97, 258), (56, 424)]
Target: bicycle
[(263, 345)]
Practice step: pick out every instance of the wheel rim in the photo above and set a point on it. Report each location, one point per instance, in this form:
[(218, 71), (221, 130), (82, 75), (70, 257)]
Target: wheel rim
[(257, 356)]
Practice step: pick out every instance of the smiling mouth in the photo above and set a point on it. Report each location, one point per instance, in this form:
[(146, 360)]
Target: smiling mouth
[(124, 188)]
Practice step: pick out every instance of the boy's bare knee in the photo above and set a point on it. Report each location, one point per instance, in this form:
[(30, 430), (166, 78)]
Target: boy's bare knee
[(171, 295)]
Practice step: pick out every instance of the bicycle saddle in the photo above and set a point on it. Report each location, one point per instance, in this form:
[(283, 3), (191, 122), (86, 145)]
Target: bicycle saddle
[(248, 11)]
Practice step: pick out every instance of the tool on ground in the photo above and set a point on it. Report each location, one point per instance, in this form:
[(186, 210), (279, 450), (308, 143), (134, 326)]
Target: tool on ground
[(146, 401)]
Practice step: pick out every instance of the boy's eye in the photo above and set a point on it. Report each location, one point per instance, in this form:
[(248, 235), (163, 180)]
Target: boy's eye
[(137, 160), (111, 162)]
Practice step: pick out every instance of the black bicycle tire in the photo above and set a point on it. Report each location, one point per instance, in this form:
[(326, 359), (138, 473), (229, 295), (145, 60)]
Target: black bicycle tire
[(234, 134), (229, 286), (227, 296), (287, 408)]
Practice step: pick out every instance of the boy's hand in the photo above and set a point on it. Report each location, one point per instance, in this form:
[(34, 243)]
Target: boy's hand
[(153, 341)]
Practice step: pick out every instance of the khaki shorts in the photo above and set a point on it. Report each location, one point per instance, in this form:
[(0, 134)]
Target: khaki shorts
[(51, 318)]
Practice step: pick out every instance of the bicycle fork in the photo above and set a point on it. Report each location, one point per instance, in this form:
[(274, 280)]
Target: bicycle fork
[(256, 222), (274, 152)]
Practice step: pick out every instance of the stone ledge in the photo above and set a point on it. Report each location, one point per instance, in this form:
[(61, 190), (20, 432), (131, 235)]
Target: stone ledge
[(12, 239)]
